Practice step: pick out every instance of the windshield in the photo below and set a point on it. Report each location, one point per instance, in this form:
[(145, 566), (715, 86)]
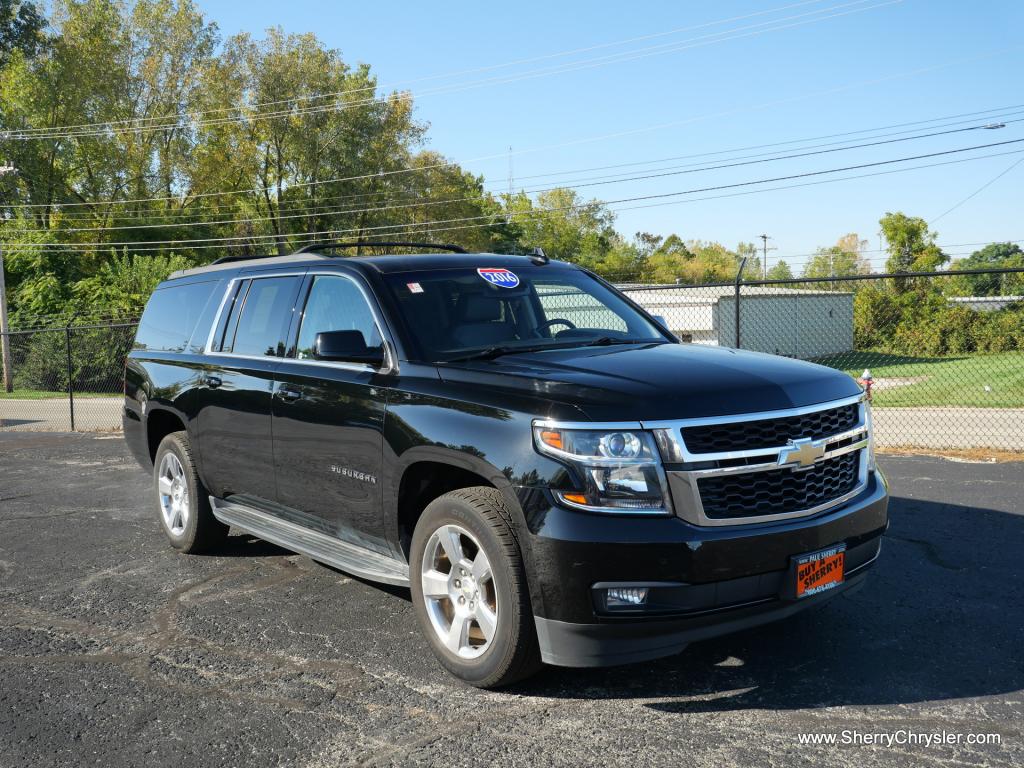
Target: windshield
[(455, 313)]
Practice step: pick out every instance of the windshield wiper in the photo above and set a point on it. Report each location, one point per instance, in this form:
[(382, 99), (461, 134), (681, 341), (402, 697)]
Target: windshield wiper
[(497, 351), (492, 352), (606, 341)]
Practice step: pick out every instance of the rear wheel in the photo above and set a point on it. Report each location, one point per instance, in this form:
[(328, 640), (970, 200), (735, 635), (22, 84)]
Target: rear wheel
[(182, 501), (469, 589)]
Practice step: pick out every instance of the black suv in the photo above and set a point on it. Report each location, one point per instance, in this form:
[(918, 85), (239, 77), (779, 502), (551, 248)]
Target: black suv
[(555, 477)]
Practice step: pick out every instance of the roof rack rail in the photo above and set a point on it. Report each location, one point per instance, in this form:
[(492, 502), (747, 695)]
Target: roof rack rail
[(229, 259), (328, 245)]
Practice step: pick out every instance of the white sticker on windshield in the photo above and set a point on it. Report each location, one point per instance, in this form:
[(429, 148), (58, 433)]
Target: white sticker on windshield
[(414, 287)]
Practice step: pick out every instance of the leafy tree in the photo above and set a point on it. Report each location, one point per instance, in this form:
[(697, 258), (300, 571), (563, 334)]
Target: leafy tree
[(753, 270), (124, 283), (647, 243), (21, 29), (690, 262), (843, 259), (911, 244), (668, 261), (780, 271), (564, 225), (992, 256)]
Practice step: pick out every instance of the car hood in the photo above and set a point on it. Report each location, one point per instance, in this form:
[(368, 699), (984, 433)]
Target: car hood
[(657, 381)]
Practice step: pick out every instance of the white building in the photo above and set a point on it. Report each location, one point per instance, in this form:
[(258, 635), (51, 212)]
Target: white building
[(781, 321), (986, 303)]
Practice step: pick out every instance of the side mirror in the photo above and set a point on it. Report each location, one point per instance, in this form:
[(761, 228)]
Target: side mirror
[(347, 347), (661, 319)]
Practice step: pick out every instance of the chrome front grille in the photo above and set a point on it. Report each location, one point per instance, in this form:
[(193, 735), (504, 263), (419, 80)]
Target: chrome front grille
[(767, 466), (779, 490), (765, 433)]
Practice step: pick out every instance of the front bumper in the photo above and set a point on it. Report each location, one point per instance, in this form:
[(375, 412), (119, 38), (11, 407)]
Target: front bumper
[(717, 580)]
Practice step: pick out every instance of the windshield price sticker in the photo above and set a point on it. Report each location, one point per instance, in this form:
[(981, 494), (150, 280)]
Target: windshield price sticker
[(499, 276)]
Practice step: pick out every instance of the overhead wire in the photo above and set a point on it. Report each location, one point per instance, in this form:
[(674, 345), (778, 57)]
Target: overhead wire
[(594, 181), (320, 208), (497, 220), (700, 41), (457, 73)]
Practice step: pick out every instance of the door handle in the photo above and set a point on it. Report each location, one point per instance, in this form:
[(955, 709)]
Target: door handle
[(212, 381), (288, 394)]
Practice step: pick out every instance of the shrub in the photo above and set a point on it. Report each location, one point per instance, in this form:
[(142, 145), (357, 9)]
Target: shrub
[(922, 322), (97, 359)]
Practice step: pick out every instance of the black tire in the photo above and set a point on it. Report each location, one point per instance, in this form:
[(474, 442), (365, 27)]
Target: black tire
[(202, 532), (513, 654)]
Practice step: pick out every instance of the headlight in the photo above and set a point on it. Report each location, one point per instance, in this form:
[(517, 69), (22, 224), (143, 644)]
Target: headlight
[(620, 469)]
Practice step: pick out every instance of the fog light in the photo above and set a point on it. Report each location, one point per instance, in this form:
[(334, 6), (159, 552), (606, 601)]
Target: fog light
[(625, 597)]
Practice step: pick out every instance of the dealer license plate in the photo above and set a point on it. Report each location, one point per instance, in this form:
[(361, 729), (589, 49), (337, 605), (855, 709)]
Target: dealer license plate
[(820, 571)]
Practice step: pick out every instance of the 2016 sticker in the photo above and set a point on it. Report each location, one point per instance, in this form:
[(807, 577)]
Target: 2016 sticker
[(499, 276)]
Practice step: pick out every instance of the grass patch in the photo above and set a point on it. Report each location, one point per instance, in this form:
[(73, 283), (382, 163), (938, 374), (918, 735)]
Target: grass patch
[(976, 380), (40, 394)]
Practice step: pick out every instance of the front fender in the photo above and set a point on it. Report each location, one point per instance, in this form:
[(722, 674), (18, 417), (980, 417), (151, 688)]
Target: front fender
[(491, 440)]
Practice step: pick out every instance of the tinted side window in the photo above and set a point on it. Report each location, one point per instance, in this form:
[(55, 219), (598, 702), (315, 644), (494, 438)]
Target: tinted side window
[(171, 316), (264, 316), (335, 304)]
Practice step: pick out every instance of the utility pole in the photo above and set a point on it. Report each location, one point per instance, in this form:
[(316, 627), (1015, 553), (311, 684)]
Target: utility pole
[(5, 339), (511, 181), (764, 257)]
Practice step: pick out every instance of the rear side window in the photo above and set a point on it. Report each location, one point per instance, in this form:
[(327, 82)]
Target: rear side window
[(171, 316), (260, 318)]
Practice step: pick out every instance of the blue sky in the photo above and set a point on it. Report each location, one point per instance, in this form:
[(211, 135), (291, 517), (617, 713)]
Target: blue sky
[(795, 76)]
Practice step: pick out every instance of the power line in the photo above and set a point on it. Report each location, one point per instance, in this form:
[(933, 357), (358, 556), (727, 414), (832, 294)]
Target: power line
[(105, 129), (412, 226), (979, 190), (304, 205), (542, 148), (671, 171), (457, 73)]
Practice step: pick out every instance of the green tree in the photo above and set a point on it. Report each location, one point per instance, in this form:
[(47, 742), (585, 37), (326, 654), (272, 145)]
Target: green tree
[(991, 256), (21, 29), (843, 259), (667, 261), (780, 271), (911, 244), (564, 225), (753, 270), (124, 283)]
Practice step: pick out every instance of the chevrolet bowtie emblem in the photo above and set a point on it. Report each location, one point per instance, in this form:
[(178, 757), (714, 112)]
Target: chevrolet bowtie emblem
[(801, 454)]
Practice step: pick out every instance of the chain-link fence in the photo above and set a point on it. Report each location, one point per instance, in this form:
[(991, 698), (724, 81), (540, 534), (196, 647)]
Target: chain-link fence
[(942, 353), (66, 378)]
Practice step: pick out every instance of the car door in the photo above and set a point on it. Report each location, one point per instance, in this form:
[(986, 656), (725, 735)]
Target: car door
[(236, 386), (328, 417)]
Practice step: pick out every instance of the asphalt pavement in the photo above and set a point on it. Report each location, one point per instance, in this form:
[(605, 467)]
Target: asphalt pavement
[(116, 651)]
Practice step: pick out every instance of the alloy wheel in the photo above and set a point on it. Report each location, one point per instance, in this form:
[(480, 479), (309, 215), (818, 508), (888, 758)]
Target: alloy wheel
[(459, 592), (173, 489)]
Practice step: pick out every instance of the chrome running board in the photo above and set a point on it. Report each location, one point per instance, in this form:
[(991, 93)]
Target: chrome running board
[(339, 554)]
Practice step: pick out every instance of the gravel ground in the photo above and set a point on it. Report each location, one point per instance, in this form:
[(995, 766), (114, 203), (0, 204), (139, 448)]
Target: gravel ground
[(116, 651)]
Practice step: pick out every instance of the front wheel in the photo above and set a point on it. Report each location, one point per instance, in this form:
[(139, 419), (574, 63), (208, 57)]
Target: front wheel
[(469, 589)]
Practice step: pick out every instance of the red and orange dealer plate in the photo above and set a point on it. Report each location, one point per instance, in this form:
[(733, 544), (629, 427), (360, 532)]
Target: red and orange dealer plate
[(820, 571)]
